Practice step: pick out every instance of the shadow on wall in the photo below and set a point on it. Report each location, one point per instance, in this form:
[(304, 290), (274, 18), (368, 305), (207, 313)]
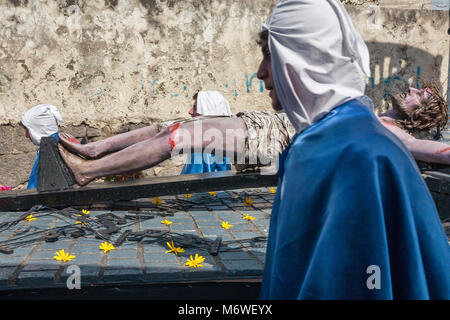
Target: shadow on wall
[(396, 67)]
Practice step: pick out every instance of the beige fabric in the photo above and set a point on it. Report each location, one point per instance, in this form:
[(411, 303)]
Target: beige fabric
[(268, 135)]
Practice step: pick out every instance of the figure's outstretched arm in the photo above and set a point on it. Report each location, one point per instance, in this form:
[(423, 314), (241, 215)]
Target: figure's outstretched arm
[(424, 150), (226, 134), (99, 148)]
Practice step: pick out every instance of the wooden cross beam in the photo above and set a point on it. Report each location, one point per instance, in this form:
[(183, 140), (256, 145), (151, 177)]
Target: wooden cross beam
[(135, 189), (56, 187)]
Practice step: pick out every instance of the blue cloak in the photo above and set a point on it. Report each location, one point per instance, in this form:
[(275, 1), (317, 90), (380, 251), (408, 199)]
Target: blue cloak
[(353, 218), (32, 180), (200, 164)]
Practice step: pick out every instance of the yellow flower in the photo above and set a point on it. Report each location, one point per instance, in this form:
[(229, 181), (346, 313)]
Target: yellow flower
[(105, 246), (213, 193), (226, 225), (188, 195), (248, 217), (166, 222), (157, 200), (195, 262), (30, 218), (84, 212), (63, 256), (248, 201), (272, 190), (174, 249)]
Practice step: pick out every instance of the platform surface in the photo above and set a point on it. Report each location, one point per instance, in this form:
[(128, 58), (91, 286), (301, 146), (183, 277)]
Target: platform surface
[(145, 262), (142, 268)]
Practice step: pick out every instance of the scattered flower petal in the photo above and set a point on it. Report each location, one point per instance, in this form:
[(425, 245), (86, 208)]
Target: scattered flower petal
[(226, 225), (195, 262), (213, 193), (248, 217), (166, 222), (106, 246), (174, 249), (30, 218), (188, 195), (63, 256), (157, 200), (85, 212), (272, 190), (248, 201)]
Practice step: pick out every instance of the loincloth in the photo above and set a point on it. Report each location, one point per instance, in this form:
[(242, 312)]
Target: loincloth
[(268, 134)]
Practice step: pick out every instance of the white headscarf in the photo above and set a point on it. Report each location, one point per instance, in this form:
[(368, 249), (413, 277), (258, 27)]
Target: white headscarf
[(319, 61), (41, 121), (212, 103)]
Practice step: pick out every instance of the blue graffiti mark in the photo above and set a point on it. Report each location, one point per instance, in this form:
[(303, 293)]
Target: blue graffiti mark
[(142, 86), (226, 85), (261, 86), (175, 95), (390, 80), (99, 92), (152, 83), (184, 88), (386, 91), (418, 71), (248, 82), (235, 93)]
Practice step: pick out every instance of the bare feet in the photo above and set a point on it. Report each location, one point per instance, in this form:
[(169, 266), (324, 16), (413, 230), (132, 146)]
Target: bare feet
[(84, 150), (76, 165)]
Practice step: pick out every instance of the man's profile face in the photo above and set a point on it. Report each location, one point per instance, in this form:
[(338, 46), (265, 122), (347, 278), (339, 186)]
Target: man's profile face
[(265, 74), (409, 101)]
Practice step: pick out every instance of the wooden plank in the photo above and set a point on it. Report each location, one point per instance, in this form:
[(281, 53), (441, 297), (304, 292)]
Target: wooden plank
[(136, 189), (438, 183), (53, 173)]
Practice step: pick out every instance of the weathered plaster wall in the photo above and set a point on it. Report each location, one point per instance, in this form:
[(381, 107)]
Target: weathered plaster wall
[(114, 65), (105, 62), (406, 46)]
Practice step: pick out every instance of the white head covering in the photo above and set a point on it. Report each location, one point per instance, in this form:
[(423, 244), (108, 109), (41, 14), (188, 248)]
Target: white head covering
[(212, 103), (319, 60), (41, 121)]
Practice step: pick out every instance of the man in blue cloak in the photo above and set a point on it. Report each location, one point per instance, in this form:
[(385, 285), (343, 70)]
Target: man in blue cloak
[(352, 218)]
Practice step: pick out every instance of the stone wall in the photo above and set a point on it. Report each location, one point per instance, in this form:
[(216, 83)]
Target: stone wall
[(114, 65)]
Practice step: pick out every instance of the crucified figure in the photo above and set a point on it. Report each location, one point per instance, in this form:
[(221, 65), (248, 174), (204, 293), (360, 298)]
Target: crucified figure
[(249, 137)]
